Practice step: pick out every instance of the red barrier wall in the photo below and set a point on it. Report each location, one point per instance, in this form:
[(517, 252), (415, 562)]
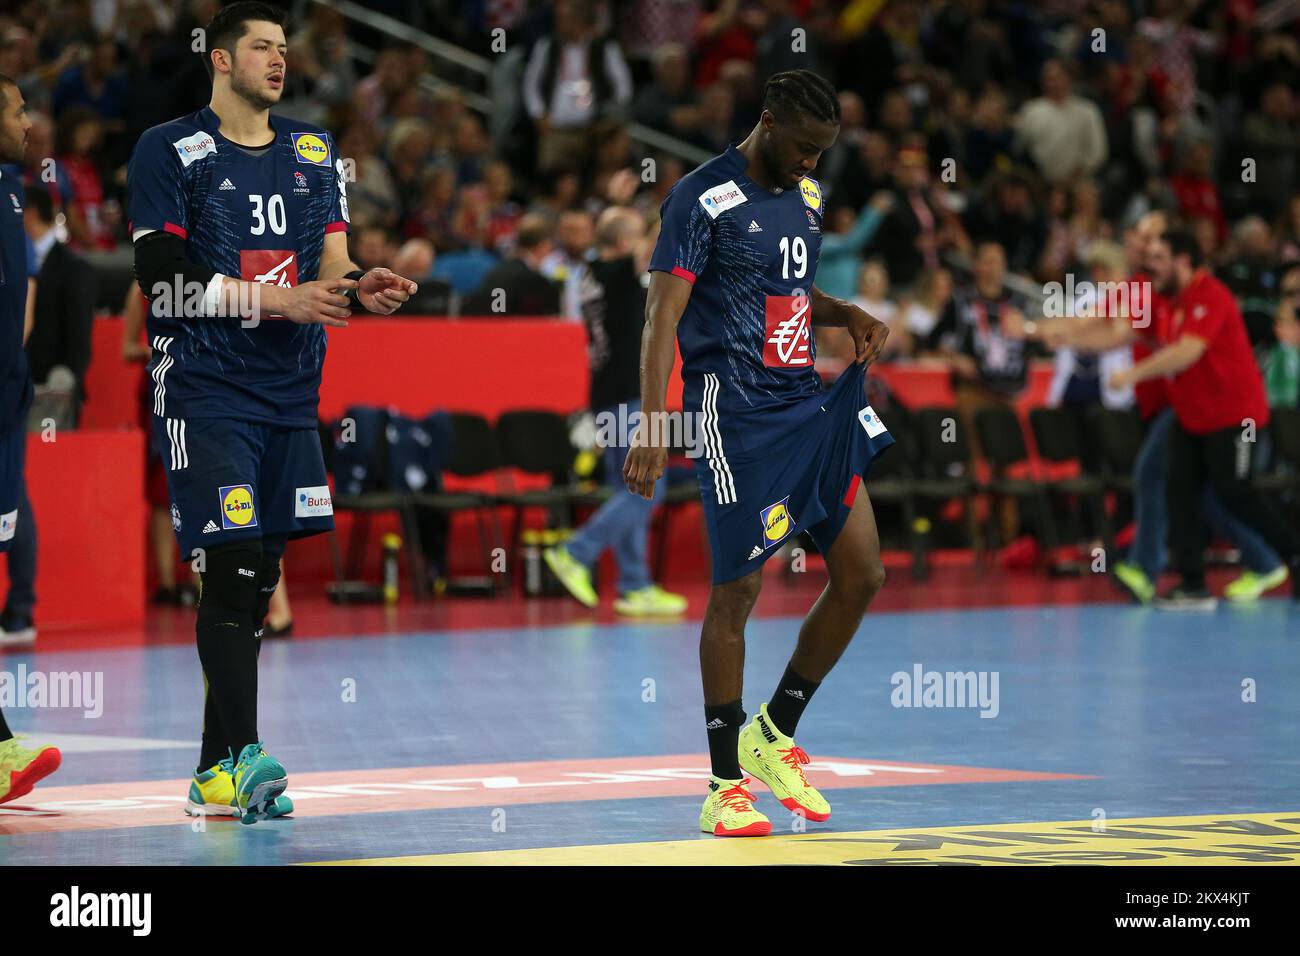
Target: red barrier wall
[(416, 365), (87, 491)]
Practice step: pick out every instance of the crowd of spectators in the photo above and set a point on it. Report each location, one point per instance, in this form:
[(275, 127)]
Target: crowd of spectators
[(1039, 129)]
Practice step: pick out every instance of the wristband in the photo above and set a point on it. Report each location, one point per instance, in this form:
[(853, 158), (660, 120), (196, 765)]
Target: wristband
[(354, 294)]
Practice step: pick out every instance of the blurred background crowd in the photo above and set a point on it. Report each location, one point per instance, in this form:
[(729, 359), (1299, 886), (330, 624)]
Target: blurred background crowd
[(1041, 128)]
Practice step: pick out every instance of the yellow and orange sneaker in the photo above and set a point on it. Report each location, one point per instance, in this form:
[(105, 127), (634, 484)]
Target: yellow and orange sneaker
[(729, 810), (21, 769), (773, 758)]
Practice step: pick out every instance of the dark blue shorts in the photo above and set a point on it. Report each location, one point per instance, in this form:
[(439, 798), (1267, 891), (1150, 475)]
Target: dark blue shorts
[(790, 470), (237, 481), (13, 447)]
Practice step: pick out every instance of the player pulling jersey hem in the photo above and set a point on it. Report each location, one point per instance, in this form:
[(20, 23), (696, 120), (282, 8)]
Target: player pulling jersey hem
[(732, 283), (257, 228)]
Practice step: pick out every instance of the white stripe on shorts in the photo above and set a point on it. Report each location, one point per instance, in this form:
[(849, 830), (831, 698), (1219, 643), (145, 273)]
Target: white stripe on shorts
[(724, 485)]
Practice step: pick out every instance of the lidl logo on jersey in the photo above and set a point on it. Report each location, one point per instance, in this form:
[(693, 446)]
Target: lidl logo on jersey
[(871, 422), (237, 507), (269, 266), (777, 521), (195, 147), (312, 502), (311, 149), (719, 199), (787, 343), (811, 192)]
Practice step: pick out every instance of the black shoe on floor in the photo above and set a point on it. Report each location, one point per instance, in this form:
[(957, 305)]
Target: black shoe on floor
[(1183, 598)]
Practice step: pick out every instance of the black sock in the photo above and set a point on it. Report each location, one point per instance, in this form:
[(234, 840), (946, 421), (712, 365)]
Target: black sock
[(791, 697), (216, 746), (723, 723), (228, 653), (4, 729)]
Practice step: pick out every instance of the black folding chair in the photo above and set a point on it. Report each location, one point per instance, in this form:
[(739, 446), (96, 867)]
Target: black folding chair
[(1056, 433), (1003, 444), (474, 453), (946, 470)]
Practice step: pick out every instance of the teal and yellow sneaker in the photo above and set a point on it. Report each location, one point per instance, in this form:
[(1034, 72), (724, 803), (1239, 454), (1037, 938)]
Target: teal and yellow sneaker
[(1134, 581), (572, 573), (212, 793), (259, 779), (1251, 586), (650, 601)]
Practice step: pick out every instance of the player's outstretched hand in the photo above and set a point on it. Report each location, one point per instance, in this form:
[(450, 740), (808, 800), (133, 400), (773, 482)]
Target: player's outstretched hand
[(321, 301), (383, 291), (644, 466), (869, 335)]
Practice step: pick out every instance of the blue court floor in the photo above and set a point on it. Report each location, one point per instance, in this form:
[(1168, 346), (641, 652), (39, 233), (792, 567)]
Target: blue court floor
[(592, 735)]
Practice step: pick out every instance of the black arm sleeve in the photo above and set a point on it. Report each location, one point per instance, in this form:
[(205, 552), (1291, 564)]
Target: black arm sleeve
[(160, 260)]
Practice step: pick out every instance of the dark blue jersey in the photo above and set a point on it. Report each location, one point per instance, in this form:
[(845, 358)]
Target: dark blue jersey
[(262, 218), (751, 254), (17, 265)]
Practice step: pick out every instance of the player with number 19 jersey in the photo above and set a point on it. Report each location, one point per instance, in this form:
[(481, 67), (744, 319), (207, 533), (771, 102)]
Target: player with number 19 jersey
[(778, 452), (261, 216)]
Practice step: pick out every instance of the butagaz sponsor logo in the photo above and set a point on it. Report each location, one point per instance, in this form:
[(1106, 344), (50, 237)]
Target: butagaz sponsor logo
[(719, 199), (1070, 299), (922, 688), (617, 428), (78, 909), (313, 502), (195, 147), (55, 690)]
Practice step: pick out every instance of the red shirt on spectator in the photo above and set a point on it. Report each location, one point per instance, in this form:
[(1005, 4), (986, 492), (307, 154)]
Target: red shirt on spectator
[(1225, 386), (1152, 395), (1198, 196)]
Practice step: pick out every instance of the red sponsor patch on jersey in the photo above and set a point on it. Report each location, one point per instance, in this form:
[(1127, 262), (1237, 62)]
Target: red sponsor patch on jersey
[(787, 341), (269, 266)]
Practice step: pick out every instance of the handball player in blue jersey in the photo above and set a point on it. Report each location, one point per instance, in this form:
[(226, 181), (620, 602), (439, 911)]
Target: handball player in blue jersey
[(240, 225), (20, 767), (732, 279)]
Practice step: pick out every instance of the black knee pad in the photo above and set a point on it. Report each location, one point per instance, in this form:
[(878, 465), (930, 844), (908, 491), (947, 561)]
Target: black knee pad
[(230, 583), (268, 577)]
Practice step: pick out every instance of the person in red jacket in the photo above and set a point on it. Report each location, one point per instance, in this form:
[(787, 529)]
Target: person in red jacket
[(1220, 406)]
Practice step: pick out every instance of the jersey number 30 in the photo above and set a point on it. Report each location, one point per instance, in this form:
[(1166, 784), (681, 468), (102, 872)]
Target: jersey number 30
[(274, 214), (796, 249)]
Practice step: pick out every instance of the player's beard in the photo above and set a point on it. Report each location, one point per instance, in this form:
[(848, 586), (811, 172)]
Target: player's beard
[(250, 94), (13, 150)]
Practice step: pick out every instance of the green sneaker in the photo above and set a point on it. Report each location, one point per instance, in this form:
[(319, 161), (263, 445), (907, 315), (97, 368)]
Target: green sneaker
[(1134, 581), (259, 781), (572, 574), (650, 601), (1250, 586)]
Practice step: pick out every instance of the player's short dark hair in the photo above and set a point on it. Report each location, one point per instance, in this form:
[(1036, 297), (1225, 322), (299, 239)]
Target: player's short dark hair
[(231, 23), (39, 201), (1182, 242), (5, 84), (795, 93)]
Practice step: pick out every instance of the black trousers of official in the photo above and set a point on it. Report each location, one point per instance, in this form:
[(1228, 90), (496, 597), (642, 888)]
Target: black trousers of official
[(1225, 459)]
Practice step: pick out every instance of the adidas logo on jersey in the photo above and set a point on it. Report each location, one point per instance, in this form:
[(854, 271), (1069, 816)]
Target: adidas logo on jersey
[(754, 227), (210, 527), (756, 552), (226, 184)]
